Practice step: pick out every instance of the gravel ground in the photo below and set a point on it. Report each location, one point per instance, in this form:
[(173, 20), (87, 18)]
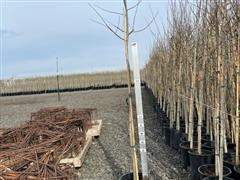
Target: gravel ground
[(109, 156)]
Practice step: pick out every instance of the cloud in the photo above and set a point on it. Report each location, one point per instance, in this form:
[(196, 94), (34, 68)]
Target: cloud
[(10, 33)]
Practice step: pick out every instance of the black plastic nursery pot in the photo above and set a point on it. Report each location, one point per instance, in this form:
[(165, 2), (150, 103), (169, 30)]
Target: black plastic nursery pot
[(208, 170), (236, 172), (231, 146), (183, 138), (158, 108), (163, 126), (209, 145), (129, 176), (217, 178), (161, 120), (206, 138), (195, 133), (196, 160), (176, 139), (172, 136), (182, 129), (229, 161), (164, 121), (167, 135), (184, 148)]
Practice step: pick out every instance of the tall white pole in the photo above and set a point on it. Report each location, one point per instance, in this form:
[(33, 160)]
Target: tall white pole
[(140, 119)]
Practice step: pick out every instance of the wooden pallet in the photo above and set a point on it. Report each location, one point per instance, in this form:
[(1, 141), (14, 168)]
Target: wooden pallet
[(92, 132), (96, 129), (78, 160)]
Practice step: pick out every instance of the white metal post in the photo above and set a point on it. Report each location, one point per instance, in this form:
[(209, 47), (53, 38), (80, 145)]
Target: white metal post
[(140, 119)]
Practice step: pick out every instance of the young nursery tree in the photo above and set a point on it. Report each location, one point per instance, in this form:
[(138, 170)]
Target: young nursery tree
[(124, 34)]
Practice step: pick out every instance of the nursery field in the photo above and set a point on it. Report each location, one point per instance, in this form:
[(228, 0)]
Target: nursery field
[(109, 156), (65, 82), (191, 100)]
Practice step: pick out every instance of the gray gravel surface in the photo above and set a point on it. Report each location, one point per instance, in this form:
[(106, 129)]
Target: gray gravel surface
[(109, 156)]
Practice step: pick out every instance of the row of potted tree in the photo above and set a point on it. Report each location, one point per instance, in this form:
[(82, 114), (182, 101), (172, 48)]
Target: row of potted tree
[(194, 73)]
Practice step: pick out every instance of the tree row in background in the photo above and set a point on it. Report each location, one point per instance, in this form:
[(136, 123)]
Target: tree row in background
[(65, 81)]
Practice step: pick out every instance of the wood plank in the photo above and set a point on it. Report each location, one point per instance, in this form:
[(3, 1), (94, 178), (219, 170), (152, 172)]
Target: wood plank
[(78, 160), (95, 130)]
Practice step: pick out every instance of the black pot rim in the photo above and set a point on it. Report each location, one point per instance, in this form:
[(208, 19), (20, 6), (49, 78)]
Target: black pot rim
[(207, 144), (194, 153), (236, 169), (185, 147), (228, 162), (181, 145), (227, 178), (213, 165)]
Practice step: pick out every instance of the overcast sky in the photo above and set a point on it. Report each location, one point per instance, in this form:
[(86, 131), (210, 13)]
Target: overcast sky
[(34, 33)]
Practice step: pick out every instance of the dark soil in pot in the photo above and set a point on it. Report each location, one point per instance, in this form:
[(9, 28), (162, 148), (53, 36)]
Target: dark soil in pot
[(129, 176), (196, 160), (184, 148), (208, 170)]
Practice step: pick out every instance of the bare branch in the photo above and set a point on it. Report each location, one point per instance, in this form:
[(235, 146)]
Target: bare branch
[(134, 17), (140, 30), (155, 35), (116, 26), (136, 5), (105, 23), (109, 11), (118, 23), (97, 22), (155, 22)]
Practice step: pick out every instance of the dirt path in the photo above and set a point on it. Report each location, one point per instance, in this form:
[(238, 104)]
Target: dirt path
[(109, 156)]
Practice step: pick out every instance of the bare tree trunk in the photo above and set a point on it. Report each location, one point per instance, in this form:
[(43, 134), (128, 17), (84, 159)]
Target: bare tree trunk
[(131, 118), (178, 95), (186, 115), (237, 115), (193, 82), (200, 111)]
